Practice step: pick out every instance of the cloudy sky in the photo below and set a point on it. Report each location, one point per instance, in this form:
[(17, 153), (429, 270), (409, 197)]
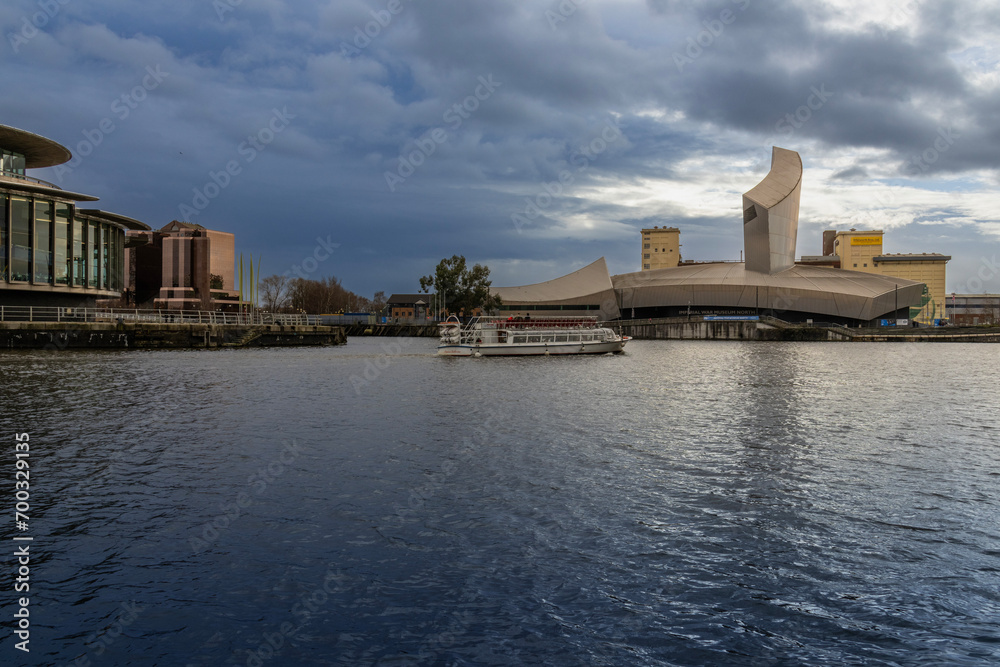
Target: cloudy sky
[(532, 135)]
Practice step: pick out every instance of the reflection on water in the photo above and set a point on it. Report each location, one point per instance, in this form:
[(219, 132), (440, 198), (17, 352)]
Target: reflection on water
[(686, 503)]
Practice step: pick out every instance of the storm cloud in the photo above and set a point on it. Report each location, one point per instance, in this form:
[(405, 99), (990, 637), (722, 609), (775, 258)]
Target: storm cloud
[(534, 136)]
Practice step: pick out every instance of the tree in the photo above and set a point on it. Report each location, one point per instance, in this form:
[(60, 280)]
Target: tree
[(274, 292), (322, 296), (459, 289), (377, 304)]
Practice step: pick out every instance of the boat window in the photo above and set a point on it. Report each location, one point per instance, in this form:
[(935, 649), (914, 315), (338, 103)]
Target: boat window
[(561, 338), (575, 338), (548, 338), (518, 339), (534, 339), (588, 337)]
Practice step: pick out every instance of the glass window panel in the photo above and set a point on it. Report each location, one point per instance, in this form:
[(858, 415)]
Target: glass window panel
[(43, 242), (120, 264), (93, 248), (20, 239), (79, 257), (3, 237), (113, 262), (112, 254), (105, 256), (19, 164), (63, 248)]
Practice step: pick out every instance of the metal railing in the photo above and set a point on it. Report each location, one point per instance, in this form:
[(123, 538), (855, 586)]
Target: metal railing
[(29, 179), (114, 315)]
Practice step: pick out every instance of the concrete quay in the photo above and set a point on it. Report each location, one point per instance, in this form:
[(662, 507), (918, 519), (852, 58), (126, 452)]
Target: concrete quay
[(160, 336)]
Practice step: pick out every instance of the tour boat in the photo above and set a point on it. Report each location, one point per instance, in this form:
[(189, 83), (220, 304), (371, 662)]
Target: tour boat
[(499, 336)]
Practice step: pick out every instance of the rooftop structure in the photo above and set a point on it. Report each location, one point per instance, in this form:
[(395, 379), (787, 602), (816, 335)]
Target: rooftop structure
[(661, 248), (771, 215)]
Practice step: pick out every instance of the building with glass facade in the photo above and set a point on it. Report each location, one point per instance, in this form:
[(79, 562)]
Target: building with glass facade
[(53, 253)]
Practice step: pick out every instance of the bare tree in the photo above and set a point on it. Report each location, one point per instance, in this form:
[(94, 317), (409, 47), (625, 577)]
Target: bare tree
[(378, 301), (275, 292)]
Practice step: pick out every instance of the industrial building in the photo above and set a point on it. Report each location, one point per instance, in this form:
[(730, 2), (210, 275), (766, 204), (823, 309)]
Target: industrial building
[(973, 309), (861, 250), (767, 282)]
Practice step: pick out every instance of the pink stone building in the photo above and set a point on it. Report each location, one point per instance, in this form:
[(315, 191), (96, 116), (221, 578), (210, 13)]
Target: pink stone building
[(182, 266)]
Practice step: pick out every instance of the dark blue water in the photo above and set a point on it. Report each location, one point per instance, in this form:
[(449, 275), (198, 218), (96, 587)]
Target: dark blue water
[(686, 503)]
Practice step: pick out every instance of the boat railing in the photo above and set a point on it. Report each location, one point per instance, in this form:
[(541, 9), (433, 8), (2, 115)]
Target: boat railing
[(554, 322)]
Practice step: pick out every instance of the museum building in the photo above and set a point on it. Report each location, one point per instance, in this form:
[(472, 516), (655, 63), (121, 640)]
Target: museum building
[(768, 282)]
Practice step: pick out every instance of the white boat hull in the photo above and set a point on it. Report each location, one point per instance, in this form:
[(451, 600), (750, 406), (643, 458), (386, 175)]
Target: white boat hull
[(531, 349), (510, 337)]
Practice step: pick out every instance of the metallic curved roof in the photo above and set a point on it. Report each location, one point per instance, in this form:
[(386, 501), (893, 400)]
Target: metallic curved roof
[(590, 285), (36, 149), (591, 279), (123, 220), (43, 189), (802, 288)]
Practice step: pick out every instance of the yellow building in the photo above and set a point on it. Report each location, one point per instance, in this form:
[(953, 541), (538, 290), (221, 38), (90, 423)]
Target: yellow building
[(661, 248), (862, 251), (928, 269), (858, 250)]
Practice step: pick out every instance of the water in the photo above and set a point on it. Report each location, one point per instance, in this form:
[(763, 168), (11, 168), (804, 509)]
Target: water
[(687, 503)]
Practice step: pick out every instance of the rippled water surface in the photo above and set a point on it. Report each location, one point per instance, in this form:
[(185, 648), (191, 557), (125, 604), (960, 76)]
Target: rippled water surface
[(687, 503)]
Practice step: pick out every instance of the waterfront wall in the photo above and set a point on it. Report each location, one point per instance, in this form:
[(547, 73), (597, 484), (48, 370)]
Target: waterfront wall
[(391, 329), (146, 335), (775, 330)]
